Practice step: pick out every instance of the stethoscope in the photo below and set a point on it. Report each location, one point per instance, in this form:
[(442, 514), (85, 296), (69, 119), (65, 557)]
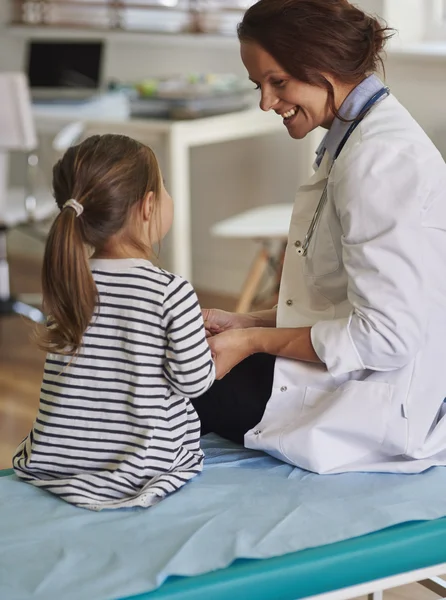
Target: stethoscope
[(303, 248)]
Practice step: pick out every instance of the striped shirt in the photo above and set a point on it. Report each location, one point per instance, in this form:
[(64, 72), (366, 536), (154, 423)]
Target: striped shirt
[(115, 427)]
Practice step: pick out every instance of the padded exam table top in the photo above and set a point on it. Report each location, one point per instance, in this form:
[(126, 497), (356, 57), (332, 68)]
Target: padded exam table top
[(320, 570)]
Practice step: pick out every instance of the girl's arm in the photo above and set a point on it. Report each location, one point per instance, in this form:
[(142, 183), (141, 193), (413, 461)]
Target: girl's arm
[(188, 366)]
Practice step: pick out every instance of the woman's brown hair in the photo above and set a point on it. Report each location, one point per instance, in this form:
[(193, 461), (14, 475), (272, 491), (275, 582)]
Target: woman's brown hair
[(109, 175), (311, 37)]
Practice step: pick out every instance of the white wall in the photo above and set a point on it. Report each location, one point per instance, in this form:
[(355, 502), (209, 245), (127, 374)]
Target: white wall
[(371, 6), (232, 177), (421, 86), (408, 17)]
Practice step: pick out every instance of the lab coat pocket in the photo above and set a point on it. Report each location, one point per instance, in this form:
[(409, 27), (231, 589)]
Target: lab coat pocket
[(337, 428)]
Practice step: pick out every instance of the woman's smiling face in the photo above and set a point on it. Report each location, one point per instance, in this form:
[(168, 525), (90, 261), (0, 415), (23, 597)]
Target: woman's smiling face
[(302, 106)]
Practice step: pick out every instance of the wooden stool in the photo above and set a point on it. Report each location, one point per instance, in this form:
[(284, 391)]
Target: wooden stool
[(265, 225)]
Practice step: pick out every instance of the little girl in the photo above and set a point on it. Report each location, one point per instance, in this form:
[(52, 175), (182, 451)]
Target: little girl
[(125, 339)]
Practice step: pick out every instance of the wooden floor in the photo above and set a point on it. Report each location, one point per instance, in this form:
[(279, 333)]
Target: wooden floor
[(21, 366)]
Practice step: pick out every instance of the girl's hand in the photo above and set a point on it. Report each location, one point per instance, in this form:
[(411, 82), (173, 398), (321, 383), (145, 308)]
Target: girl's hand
[(216, 321), (228, 349)]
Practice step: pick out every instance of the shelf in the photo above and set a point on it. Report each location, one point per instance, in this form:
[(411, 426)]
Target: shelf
[(423, 51), (169, 39)]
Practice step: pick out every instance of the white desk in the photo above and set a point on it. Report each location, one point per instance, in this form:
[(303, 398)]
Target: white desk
[(111, 114)]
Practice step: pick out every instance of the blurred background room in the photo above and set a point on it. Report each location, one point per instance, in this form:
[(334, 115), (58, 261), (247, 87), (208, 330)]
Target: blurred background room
[(167, 72)]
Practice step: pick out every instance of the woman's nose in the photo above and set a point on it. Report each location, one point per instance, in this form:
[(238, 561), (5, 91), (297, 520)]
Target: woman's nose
[(267, 100)]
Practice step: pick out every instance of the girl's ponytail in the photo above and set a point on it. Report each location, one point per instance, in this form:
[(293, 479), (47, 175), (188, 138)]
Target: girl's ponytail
[(69, 290), (108, 176)]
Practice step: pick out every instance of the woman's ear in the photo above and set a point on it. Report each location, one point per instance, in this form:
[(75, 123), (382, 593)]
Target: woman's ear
[(147, 206)]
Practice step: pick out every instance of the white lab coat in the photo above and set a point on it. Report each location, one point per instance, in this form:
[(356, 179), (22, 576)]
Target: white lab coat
[(373, 288)]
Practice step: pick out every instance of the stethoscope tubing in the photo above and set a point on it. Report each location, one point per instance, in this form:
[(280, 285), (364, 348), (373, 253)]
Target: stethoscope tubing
[(303, 249)]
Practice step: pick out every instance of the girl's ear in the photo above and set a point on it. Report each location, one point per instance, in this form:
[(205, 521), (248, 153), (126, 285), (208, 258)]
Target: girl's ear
[(147, 206)]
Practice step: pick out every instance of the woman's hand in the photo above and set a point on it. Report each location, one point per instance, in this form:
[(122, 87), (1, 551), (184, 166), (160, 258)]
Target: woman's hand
[(232, 346), (216, 321), (232, 337), (228, 349)]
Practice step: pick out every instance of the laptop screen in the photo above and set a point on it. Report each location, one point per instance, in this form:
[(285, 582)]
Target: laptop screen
[(65, 65)]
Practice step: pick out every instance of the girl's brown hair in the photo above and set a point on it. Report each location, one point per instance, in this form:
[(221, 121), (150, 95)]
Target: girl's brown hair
[(109, 175), (311, 37)]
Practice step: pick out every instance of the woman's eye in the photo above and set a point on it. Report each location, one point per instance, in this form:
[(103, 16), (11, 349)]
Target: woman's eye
[(257, 86), (279, 83)]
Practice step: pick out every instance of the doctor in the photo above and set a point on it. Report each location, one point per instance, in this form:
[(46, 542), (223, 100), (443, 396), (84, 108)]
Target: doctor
[(349, 372)]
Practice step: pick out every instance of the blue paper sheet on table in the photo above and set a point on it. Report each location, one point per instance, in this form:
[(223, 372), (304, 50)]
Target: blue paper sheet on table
[(244, 505)]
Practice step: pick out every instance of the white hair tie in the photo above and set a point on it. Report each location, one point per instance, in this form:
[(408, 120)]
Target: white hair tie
[(74, 204)]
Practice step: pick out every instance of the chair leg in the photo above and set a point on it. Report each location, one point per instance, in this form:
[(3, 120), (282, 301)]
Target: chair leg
[(4, 267), (253, 280), (12, 306), (436, 585), (30, 312), (375, 596), (8, 304)]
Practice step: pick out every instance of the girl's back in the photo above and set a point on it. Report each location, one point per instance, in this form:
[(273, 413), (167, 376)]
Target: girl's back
[(115, 426)]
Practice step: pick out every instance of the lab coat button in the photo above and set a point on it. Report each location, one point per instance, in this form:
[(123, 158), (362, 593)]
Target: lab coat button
[(298, 243), (283, 388), (289, 302)]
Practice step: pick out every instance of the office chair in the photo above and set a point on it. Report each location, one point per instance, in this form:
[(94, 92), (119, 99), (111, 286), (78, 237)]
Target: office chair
[(18, 205)]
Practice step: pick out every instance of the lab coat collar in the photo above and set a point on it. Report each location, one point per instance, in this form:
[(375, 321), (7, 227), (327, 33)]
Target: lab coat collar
[(350, 109)]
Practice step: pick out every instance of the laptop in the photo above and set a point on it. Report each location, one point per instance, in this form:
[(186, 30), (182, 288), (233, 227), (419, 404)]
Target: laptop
[(62, 71)]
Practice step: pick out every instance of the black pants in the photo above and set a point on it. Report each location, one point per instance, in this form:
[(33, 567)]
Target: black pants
[(236, 403)]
